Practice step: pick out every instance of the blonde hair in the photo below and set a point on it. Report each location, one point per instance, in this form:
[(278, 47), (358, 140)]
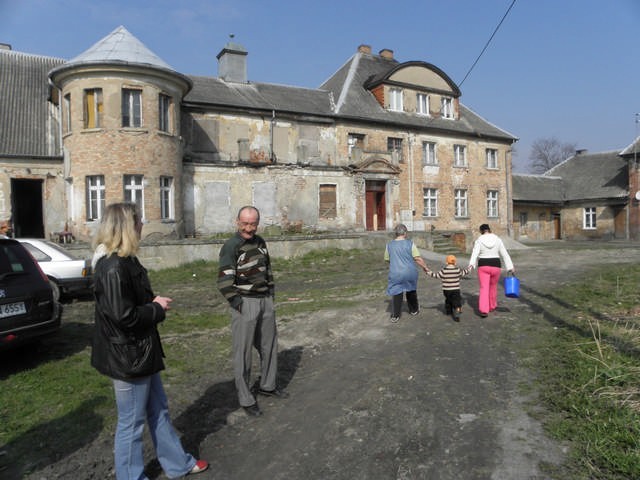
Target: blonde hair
[(117, 230)]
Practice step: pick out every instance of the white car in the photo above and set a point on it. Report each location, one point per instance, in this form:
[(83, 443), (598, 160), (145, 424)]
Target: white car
[(68, 274)]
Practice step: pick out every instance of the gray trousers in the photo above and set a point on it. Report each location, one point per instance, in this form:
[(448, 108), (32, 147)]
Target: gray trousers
[(254, 327)]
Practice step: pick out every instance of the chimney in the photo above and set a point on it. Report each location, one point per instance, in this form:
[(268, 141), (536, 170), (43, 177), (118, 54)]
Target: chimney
[(232, 62), (386, 53), (366, 49)]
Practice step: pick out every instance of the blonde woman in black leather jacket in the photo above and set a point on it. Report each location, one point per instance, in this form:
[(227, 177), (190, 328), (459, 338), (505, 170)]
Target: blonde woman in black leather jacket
[(127, 348)]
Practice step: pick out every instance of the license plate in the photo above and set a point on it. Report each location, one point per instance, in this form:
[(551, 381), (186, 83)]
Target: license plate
[(11, 309)]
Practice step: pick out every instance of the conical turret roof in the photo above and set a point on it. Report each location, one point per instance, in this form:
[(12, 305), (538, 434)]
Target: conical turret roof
[(119, 46)]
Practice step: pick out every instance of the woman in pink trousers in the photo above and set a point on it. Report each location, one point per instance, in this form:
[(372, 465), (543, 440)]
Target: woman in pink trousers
[(488, 251)]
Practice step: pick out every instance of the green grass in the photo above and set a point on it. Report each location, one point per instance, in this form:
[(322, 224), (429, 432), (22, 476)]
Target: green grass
[(588, 368), (589, 374), (52, 392)]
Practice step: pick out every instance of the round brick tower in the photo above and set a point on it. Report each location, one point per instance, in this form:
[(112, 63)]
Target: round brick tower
[(121, 134)]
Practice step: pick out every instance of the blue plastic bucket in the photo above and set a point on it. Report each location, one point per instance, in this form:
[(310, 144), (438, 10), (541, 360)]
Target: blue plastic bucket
[(512, 286)]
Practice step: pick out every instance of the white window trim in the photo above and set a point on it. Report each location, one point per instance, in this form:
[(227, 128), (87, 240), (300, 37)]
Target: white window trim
[(134, 188), (97, 189), (430, 194), (426, 150), (492, 204), (459, 153), (395, 99), (168, 192), (131, 108), (461, 206), (589, 218), (491, 156), (422, 104), (446, 108)]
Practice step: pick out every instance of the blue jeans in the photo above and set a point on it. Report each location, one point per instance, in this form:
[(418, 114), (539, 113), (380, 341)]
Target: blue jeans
[(138, 400)]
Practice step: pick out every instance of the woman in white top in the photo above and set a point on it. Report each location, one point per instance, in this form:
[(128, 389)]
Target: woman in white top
[(488, 250)]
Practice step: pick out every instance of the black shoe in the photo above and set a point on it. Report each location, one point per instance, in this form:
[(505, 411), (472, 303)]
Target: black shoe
[(276, 392), (253, 410)]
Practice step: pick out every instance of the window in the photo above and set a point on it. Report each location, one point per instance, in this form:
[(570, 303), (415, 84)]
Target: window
[(134, 191), (459, 156), (164, 112), (446, 109), (355, 140), (131, 108), (394, 147), (327, 201), (430, 202), (492, 158), (492, 203), (422, 104), (590, 218), (67, 113), (429, 153), (395, 99), (166, 198), (95, 196), (460, 197), (93, 108)]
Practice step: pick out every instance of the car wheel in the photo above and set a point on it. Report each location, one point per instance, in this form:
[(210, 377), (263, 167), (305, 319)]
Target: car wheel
[(56, 290)]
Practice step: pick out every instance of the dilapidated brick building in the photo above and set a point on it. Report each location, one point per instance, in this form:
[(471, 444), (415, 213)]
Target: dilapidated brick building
[(380, 142)]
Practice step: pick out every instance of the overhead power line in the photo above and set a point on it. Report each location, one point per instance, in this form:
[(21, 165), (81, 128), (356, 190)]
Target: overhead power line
[(488, 42)]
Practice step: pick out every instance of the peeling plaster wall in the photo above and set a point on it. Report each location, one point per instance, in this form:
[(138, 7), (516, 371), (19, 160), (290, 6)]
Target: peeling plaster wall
[(285, 195), (214, 137)]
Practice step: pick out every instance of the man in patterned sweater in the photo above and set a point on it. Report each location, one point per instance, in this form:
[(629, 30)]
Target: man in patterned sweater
[(245, 279), (450, 275)]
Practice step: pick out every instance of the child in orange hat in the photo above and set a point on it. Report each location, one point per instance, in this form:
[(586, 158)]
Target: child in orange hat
[(450, 275)]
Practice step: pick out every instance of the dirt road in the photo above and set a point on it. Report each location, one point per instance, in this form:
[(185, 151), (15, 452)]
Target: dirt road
[(425, 398)]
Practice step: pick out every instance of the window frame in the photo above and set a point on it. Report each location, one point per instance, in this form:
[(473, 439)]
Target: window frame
[(491, 156), (429, 153), (167, 211), (67, 112), (461, 203), (396, 103), (422, 104), (589, 218), (355, 140), (93, 108), (327, 201), (459, 151), (165, 113), (95, 197), (430, 205), (131, 185), (493, 197), (131, 105), (446, 108), (394, 144)]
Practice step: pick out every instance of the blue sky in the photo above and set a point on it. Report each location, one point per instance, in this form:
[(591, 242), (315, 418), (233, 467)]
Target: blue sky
[(555, 68)]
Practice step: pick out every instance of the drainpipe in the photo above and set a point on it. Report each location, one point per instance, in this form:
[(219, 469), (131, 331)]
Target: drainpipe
[(273, 124), (411, 202), (507, 173)]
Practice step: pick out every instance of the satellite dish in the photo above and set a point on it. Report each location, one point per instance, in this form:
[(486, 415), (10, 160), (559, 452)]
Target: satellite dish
[(638, 195)]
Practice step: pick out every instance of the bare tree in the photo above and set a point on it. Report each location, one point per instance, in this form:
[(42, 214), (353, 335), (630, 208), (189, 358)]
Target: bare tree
[(546, 153)]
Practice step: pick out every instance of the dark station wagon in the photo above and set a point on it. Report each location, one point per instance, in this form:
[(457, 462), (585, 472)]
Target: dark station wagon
[(27, 308)]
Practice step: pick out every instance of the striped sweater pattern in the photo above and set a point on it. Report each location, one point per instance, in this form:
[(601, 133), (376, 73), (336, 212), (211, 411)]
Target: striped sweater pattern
[(450, 276), (244, 269)]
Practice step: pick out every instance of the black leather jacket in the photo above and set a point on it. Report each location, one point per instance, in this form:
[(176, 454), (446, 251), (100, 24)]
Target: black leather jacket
[(126, 342)]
